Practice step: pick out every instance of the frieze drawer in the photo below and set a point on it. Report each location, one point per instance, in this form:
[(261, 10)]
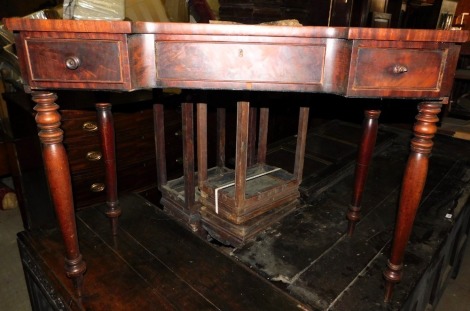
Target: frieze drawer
[(416, 70), (252, 64), (75, 63)]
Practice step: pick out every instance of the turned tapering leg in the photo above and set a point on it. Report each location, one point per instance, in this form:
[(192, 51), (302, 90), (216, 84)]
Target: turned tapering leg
[(366, 148), (412, 188), (106, 130), (58, 176)]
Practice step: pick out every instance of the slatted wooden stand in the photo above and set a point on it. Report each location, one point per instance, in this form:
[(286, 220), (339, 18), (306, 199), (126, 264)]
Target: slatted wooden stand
[(237, 204), (178, 195)]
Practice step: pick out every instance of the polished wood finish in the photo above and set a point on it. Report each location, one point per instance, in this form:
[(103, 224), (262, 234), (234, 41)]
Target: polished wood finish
[(412, 188), (58, 175), (369, 136), (106, 129), (353, 62)]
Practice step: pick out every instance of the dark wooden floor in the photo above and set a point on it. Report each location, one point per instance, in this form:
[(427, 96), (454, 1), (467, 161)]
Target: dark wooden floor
[(309, 256), (303, 262)]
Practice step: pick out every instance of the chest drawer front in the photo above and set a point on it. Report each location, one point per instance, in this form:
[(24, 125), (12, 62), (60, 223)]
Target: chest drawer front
[(75, 60), (407, 70)]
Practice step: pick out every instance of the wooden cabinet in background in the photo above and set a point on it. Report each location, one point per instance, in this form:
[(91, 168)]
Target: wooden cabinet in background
[(135, 153), (311, 13)]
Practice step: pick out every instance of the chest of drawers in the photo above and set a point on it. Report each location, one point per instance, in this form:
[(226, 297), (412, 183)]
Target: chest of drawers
[(135, 154)]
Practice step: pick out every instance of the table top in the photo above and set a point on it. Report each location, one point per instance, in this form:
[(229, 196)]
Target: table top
[(127, 27), (125, 56)]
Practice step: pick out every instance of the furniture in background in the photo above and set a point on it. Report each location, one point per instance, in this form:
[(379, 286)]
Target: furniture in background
[(125, 56), (135, 156), (381, 20), (460, 101)]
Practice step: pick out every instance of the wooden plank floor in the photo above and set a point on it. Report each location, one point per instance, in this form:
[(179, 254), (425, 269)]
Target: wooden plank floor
[(303, 262), (153, 264), (308, 255)]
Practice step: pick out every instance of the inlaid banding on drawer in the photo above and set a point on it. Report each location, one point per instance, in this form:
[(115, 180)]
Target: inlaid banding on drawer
[(240, 62), (72, 60), (396, 68)]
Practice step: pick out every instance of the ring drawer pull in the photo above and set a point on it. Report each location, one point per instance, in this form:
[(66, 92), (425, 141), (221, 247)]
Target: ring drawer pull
[(399, 69), (93, 156), (90, 126), (97, 187), (72, 62)]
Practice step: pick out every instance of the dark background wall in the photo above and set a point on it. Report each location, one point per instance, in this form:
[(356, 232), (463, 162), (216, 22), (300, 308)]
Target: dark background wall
[(9, 8)]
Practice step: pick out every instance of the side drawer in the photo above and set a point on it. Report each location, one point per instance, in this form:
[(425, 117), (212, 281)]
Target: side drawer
[(74, 63), (397, 70)]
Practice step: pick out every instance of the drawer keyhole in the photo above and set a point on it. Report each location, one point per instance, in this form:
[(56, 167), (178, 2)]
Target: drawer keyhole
[(72, 63)]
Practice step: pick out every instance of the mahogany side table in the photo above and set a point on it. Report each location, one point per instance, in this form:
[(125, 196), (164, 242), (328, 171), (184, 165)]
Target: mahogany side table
[(126, 56)]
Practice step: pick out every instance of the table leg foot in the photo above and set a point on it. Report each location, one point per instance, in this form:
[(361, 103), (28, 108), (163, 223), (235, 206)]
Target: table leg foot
[(75, 269), (113, 212), (353, 215), (392, 275)]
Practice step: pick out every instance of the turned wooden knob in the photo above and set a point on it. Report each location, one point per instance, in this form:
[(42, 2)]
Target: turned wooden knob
[(72, 62), (399, 69)]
